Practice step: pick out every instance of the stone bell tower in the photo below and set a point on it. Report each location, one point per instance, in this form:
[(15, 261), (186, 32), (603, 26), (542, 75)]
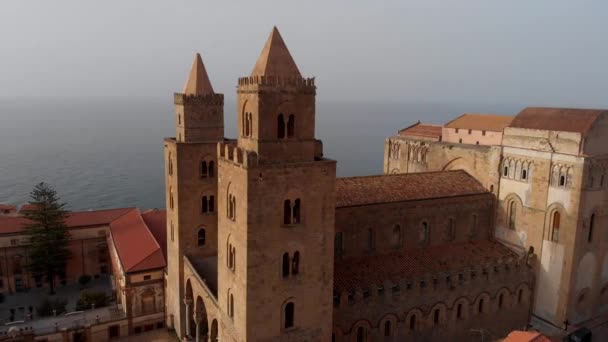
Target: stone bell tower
[(191, 183), (277, 205)]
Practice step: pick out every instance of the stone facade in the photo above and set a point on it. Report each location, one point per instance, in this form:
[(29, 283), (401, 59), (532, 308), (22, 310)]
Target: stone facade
[(287, 238), (549, 176)]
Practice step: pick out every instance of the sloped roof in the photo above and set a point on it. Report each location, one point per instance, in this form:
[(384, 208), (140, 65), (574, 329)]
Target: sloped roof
[(198, 81), (481, 122), (526, 336), (137, 248), (7, 207), (366, 190), (275, 59), (422, 130), (364, 271), (81, 219), (557, 119), (156, 220)]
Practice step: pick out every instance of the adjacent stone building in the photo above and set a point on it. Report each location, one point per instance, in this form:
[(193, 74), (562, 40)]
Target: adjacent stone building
[(548, 171), (264, 243)]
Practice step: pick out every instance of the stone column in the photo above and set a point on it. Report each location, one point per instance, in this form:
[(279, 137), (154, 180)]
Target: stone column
[(187, 302)]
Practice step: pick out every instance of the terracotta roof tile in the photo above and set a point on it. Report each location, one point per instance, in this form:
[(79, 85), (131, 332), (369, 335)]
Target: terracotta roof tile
[(156, 220), (7, 207), (481, 122), (526, 336), (355, 191), (557, 119), (11, 225), (422, 130), (137, 248), (363, 272)]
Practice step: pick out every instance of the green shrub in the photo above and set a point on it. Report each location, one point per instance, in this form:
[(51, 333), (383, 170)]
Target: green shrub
[(88, 298), (46, 307)]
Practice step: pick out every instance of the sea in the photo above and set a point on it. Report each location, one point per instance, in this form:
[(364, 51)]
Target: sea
[(103, 153)]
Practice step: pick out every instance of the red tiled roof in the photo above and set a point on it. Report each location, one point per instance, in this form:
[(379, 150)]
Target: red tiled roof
[(422, 130), (355, 191), (362, 272), (156, 220), (137, 248), (481, 122), (11, 225), (27, 207), (526, 336), (558, 119), (7, 207)]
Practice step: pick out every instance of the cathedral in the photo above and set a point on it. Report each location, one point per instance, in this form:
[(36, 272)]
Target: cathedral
[(265, 243)]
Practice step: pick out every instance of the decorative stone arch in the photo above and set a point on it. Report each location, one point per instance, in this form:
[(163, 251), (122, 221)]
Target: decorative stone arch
[(458, 163), (388, 325), (438, 315), (461, 310), (395, 171), (512, 209), (555, 221), (424, 231), (584, 285), (518, 169), (413, 324), (213, 333), (482, 304), (284, 308), (189, 302), (522, 294), (355, 331), (287, 110), (504, 167), (503, 300)]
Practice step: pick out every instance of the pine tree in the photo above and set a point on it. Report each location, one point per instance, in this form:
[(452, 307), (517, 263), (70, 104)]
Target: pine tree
[(48, 251)]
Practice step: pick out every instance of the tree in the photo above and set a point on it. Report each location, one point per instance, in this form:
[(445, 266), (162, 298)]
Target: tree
[(48, 251)]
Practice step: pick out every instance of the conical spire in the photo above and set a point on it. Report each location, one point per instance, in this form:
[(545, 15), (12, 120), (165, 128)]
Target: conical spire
[(198, 80), (275, 59)]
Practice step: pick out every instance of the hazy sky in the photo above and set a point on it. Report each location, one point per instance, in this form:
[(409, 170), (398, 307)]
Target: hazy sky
[(537, 52)]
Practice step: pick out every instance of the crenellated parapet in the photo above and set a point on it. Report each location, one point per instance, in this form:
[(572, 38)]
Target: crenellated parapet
[(507, 272), (230, 152), (256, 83), (208, 99)]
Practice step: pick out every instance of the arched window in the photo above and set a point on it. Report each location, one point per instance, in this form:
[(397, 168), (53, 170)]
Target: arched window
[(520, 295), (289, 315), (361, 334), (505, 171), (371, 239), (231, 306), (500, 300), (204, 169), (211, 171), (436, 316), (295, 263), (287, 212), (555, 226), (231, 207), (474, 225), (562, 180), (204, 204), (451, 229), (170, 198), (480, 305), (396, 236), (291, 126), (281, 126), (591, 224), (170, 164), (459, 311), (388, 329), (172, 231), (512, 214), (339, 243), (524, 174), (424, 232), (201, 237), (413, 322), (285, 267), (247, 125), (296, 211)]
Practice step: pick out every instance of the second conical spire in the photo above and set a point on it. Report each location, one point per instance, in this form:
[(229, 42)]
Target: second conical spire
[(275, 59), (198, 81)]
